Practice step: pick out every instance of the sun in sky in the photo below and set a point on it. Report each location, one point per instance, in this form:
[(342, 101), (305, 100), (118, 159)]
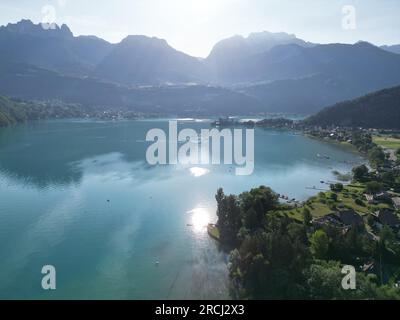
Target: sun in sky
[(195, 26)]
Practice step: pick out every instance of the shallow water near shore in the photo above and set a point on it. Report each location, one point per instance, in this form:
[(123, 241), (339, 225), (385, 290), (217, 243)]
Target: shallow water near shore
[(79, 195)]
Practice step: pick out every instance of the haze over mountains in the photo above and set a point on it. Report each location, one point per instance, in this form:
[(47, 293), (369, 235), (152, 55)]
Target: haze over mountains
[(265, 72), (140, 60), (379, 109), (394, 48)]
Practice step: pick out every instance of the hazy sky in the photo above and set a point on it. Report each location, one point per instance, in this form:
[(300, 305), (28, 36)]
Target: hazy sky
[(194, 26)]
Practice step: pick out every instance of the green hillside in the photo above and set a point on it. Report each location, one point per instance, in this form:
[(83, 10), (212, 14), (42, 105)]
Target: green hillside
[(11, 112), (16, 111), (379, 109)]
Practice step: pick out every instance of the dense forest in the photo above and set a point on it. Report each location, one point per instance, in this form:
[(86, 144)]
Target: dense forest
[(11, 112), (16, 111), (380, 109), (276, 257)]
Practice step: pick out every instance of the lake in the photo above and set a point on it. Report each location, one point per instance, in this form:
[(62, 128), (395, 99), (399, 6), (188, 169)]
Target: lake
[(80, 196)]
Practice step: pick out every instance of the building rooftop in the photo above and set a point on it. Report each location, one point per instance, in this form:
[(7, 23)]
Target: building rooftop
[(396, 202), (387, 217), (349, 217)]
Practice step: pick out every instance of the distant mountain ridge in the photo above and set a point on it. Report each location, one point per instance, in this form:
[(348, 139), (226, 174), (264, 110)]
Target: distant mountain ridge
[(55, 49), (309, 79), (230, 55), (273, 72), (254, 43), (27, 27), (379, 110), (393, 48), (32, 83), (148, 61)]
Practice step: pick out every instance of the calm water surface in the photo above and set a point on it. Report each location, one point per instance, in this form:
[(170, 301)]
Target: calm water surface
[(79, 195)]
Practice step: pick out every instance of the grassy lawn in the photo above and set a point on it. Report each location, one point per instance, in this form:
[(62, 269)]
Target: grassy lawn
[(213, 231), (294, 213), (317, 208), (387, 142), (320, 205)]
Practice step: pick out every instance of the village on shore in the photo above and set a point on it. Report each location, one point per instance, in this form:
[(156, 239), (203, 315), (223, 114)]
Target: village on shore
[(367, 200)]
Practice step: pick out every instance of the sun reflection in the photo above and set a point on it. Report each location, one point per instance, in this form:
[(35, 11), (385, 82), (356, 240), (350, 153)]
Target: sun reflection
[(200, 219), (198, 172)]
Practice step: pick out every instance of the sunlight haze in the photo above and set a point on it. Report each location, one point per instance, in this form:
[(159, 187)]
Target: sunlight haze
[(194, 26)]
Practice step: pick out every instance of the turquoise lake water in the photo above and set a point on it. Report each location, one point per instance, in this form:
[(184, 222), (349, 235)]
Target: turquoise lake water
[(79, 195)]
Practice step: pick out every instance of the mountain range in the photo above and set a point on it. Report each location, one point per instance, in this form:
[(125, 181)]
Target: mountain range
[(393, 48), (264, 72)]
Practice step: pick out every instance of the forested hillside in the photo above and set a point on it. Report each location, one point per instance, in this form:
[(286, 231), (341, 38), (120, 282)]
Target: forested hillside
[(380, 109), (15, 111)]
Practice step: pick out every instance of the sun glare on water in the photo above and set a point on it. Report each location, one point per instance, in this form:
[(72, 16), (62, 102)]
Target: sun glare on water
[(198, 172), (200, 218)]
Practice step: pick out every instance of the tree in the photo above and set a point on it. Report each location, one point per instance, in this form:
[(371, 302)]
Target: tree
[(370, 220), (387, 248), (360, 172), (359, 202), (362, 141), (255, 205), (334, 197), (278, 259), (376, 156), (307, 217), (324, 282), (373, 187), (319, 244), (388, 177), (337, 187), (387, 236), (269, 263), (229, 221)]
